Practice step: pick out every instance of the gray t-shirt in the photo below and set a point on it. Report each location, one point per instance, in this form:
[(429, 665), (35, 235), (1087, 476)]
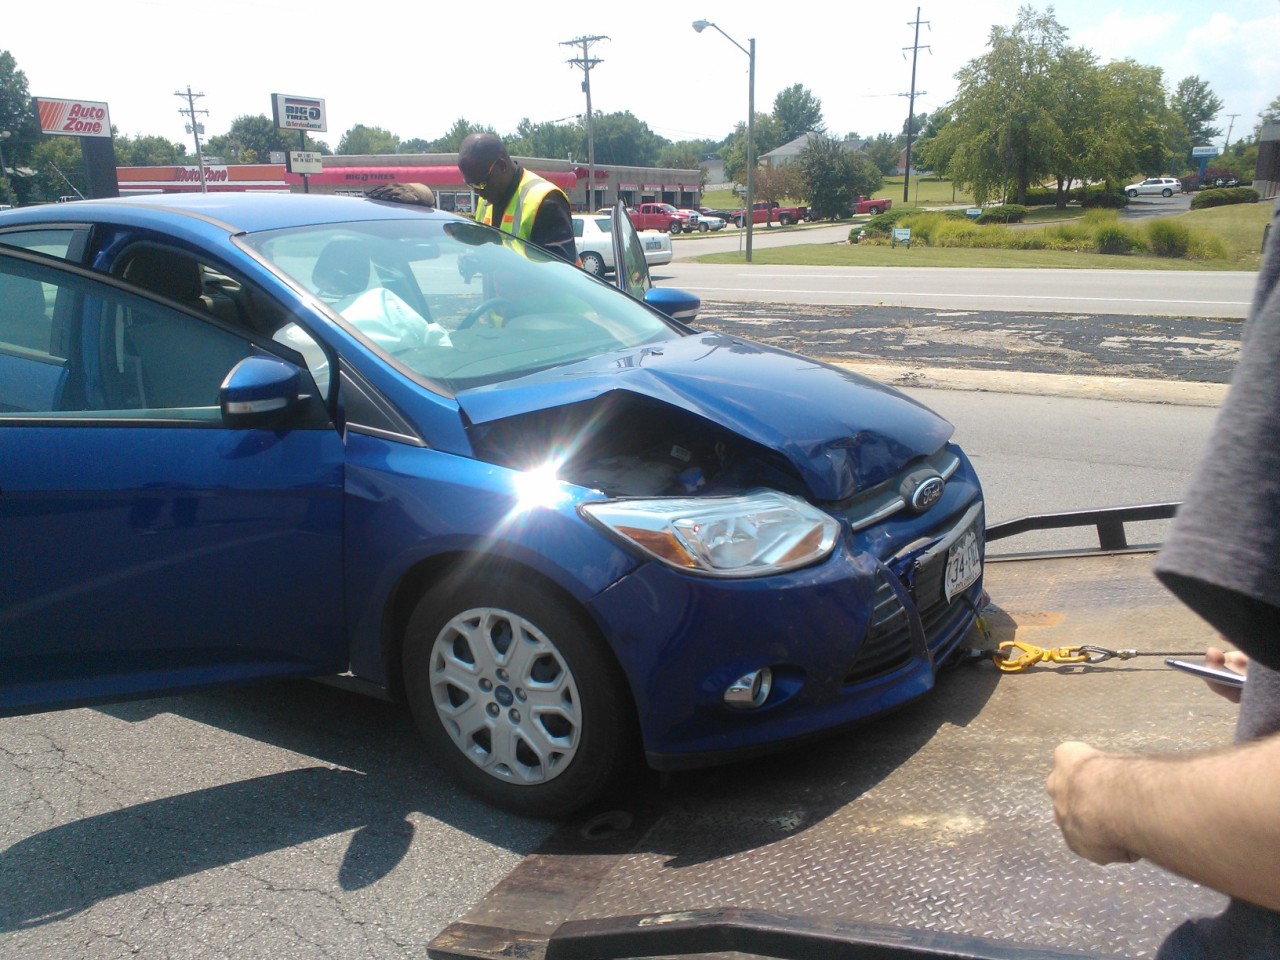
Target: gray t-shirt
[(1222, 559)]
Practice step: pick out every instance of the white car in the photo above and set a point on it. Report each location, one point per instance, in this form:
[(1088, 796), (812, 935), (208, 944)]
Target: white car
[(705, 221), (1155, 186), (593, 233)]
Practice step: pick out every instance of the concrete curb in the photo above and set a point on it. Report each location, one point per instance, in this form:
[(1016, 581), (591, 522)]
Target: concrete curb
[(1129, 389)]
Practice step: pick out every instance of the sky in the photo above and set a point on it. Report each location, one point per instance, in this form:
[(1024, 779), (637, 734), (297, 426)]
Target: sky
[(414, 68)]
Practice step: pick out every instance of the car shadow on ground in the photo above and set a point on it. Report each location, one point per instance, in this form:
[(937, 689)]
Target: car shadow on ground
[(374, 777)]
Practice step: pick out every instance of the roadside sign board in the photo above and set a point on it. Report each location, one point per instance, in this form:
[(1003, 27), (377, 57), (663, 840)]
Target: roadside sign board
[(1209, 151), (304, 161), (73, 118), (298, 113), (901, 235), (973, 213)]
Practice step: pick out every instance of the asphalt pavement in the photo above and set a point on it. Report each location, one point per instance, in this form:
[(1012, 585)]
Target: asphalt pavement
[(1153, 359)]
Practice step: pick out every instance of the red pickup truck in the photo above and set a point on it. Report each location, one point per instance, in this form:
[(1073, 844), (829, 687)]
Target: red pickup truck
[(766, 212), (872, 205), (662, 216)]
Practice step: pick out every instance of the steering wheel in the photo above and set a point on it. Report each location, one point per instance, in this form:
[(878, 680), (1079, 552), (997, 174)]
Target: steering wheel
[(500, 304)]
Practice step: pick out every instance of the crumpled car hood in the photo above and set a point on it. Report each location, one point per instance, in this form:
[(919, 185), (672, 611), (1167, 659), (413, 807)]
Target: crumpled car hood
[(842, 432)]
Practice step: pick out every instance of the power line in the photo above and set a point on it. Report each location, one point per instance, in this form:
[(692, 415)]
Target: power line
[(194, 126), (1229, 132), (911, 105), (586, 62)]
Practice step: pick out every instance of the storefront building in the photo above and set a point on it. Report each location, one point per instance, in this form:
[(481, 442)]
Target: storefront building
[(359, 174)]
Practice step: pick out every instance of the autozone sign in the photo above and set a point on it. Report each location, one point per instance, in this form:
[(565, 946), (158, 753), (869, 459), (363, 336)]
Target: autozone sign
[(73, 118)]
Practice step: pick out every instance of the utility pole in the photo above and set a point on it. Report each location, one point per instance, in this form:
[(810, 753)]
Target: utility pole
[(194, 127), (1229, 126), (911, 104), (586, 62)]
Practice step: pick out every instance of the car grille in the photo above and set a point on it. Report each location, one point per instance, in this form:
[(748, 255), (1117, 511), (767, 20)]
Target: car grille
[(888, 642), (887, 646)]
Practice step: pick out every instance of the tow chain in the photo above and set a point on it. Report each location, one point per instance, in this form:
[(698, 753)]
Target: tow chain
[(1015, 656)]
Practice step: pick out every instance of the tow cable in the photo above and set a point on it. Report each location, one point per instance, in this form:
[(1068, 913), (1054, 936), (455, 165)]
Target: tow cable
[(1015, 656)]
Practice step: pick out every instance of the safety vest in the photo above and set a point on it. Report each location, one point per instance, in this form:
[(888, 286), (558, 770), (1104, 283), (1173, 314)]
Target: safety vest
[(522, 208)]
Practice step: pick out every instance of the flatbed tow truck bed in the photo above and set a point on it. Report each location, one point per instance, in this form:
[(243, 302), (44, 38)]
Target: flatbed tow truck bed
[(925, 833)]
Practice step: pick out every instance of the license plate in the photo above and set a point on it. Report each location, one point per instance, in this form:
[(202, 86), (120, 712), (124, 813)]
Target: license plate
[(653, 245), (964, 564)]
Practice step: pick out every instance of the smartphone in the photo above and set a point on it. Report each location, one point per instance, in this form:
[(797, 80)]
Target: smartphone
[(1213, 674)]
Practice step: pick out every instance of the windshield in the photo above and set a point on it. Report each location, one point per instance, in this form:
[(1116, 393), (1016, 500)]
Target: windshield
[(457, 303)]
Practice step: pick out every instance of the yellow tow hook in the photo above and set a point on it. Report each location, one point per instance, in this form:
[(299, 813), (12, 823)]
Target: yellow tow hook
[(1009, 660)]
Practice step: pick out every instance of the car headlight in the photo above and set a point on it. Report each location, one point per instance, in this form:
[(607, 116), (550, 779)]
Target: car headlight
[(752, 535)]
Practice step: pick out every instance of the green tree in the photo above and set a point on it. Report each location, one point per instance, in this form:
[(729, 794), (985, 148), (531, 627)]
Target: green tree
[(1269, 114), (797, 112), (1000, 139), (768, 135), (621, 138), (252, 138), (144, 151), (925, 153), (361, 140), (415, 145), (18, 119), (548, 139), (1077, 150), (1197, 105), (460, 130), (917, 123), (883, 152), (59, 166), (1141, 124), (834, 177), (684, 155)]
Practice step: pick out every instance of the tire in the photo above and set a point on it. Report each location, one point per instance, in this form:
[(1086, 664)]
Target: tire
[(674, 228), (593, 263), (1166, 193), (516, 693), (874, 211), (1131, 193), (784, 219), (738, 221), (703, 227)]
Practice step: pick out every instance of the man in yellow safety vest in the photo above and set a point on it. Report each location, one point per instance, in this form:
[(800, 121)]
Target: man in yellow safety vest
[(515, 200)]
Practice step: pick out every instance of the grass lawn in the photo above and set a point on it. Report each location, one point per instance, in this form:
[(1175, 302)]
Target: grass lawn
[(1240, 226)]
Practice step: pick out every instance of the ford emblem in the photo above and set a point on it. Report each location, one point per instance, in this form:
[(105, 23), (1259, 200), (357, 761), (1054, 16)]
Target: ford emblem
[(927, 494)]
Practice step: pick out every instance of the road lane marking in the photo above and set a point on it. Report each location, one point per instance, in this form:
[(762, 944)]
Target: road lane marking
[(972, 296)]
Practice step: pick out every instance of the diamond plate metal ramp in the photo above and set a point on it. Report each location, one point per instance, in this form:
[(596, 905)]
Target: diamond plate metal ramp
[(932, 821)]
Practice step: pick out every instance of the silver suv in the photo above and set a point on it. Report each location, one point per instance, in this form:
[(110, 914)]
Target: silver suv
[(1152, 186)]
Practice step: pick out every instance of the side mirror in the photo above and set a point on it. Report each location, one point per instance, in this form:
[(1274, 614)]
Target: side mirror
[(676, 304), (260, 393)]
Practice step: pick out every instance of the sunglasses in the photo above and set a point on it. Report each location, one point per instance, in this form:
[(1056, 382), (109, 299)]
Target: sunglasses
[(482, 185)]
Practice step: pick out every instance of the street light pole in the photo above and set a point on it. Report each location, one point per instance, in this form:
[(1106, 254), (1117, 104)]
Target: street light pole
[(749, 218)]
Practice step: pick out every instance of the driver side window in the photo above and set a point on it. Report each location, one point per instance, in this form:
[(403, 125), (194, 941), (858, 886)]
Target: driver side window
[(72, 346)]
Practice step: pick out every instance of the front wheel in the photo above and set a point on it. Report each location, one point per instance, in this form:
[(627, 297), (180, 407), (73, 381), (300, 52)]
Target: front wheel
[(1131, 193), (703, 227), (874, 211), (737, 221), (516, 693), (593, 263)]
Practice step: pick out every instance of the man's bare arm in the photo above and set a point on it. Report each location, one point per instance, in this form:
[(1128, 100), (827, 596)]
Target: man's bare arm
[(1211, 817)]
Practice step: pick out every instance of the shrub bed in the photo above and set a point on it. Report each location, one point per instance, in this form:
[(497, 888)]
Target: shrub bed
[(1005, 213), (1223, 196)]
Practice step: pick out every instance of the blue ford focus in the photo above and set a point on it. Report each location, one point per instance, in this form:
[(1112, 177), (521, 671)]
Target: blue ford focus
[(246, 437)]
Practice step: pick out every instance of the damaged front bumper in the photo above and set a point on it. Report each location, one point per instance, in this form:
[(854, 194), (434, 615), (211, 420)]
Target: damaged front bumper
[(859, 634)]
